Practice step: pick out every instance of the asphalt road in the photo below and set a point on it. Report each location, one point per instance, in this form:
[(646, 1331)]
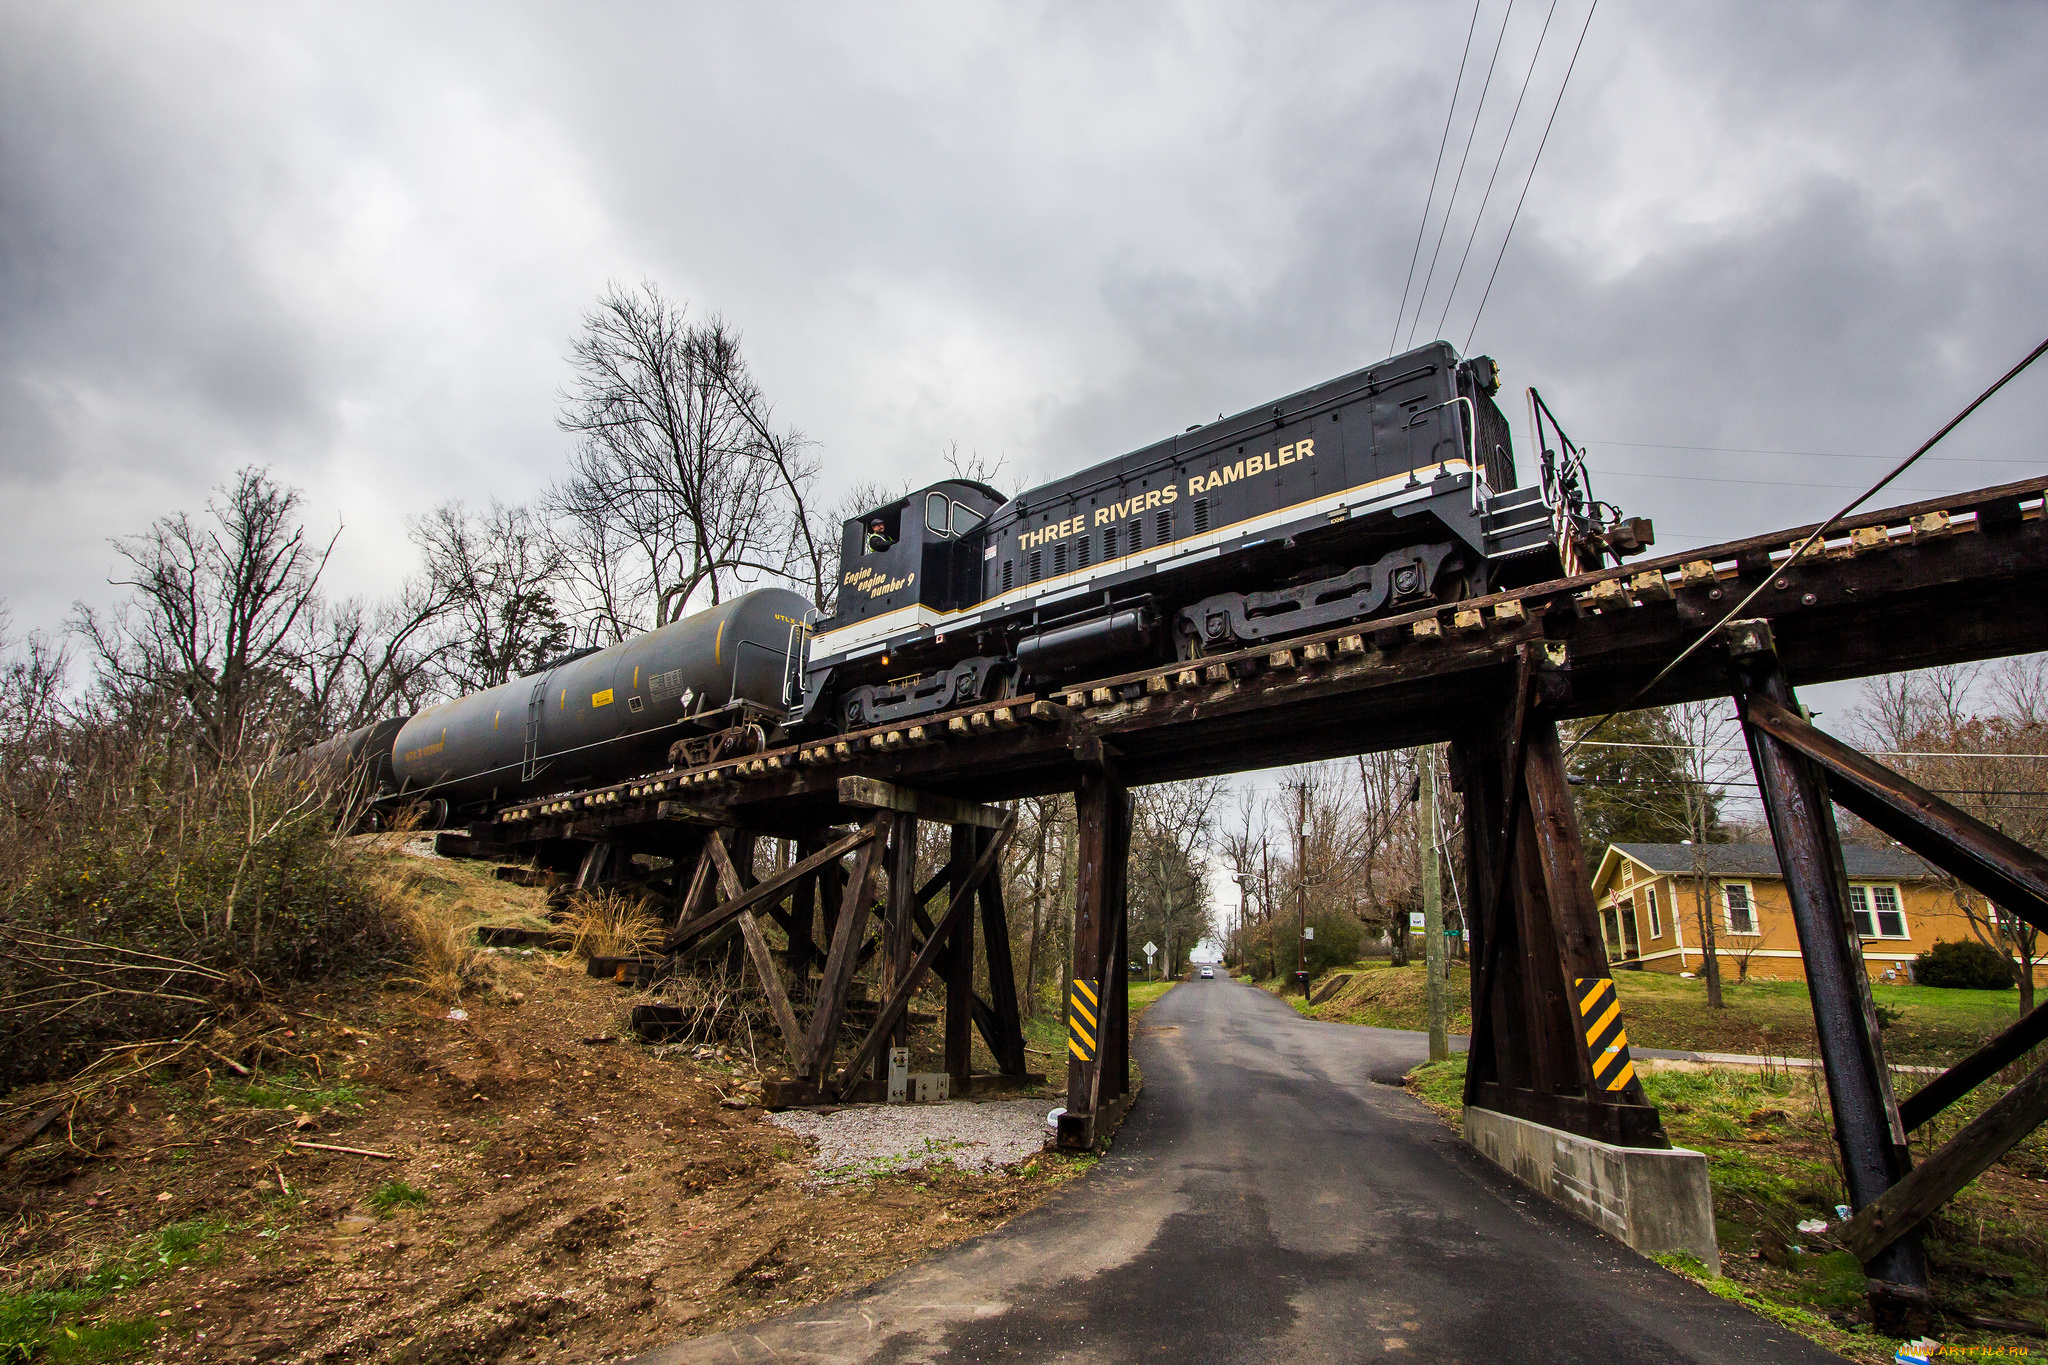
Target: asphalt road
[(1268, 1201)]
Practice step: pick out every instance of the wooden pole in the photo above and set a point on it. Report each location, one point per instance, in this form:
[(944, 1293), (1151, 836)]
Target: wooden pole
[(896, 941), (1867, 1127), (958, 957), (1095, 1041), (1433, 914)]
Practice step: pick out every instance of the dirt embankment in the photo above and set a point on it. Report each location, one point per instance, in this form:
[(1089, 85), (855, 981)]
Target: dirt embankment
[(553, 1191)]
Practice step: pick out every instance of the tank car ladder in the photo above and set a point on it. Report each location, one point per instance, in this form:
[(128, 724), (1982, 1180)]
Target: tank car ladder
[(530, 766)]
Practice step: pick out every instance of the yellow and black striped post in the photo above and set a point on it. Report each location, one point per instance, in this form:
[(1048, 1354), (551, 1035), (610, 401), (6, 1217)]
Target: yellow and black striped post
[(1606, 1040), (1083, 1025)]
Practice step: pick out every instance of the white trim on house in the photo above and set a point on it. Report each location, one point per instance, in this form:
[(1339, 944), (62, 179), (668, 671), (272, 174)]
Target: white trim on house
[(1869, 909), (1755, 928)]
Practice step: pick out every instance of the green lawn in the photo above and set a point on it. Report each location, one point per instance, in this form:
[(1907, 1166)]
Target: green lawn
[(1930, 1026)]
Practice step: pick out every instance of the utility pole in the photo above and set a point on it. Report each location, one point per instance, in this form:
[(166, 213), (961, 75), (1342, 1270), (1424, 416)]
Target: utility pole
[(1433, 914), (1301, 885)]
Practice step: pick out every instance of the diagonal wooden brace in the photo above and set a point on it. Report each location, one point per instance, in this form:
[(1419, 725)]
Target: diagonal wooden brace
[(843, 957), (899, 999), (768, 890), (757, 950)]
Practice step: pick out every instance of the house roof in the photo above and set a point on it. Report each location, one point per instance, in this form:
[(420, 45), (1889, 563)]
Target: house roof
[(1761, 860)]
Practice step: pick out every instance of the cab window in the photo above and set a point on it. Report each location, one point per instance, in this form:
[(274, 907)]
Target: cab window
[(965, 519), (938, 514)]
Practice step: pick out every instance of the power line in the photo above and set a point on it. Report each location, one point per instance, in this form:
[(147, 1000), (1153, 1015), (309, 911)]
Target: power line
[(1810, 454), (1430, 198), (1739, 748), (1459, 180), (1562, 86), (1500, 156), (1818, 531), (1753, 483)]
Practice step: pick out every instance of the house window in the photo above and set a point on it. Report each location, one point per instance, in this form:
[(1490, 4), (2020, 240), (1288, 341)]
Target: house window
[(1878, 911), (1656, 925), (1741, 907)]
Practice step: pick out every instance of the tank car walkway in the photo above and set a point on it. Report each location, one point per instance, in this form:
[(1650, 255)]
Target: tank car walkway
[(1268, 1201)]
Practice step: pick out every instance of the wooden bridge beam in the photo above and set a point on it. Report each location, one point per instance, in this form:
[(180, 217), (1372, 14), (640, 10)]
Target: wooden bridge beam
[(1098, 993), (1868, 1131)]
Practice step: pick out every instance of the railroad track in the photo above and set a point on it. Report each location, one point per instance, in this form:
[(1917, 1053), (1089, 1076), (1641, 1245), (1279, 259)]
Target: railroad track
[(1946, 580)]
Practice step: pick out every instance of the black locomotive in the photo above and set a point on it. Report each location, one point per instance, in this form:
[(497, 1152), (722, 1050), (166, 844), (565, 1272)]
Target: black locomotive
[(1387, 489), (1383, 490)]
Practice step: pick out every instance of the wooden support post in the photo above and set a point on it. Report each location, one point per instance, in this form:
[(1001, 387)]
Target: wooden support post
[(757, 950), (823, 1036), (598, 865), (1006, 1037), (1097, 1056), (1575, 920), (890, 1015), (958, 957), (896, 943), (803, 900), (1867, 1127), (719, 915), (1546, 1044)]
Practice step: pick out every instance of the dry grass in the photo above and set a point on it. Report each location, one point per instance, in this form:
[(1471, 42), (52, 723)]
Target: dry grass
[(610, 924), (439, 905)]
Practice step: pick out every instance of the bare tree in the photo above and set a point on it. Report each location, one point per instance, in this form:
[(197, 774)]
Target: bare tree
[(1172, 825), (680, 489), (1970, 735), (1705, 729), (498, 570), (217, 610)]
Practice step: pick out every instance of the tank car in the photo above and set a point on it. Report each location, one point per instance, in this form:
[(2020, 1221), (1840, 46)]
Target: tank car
[(1383, 490), (711, 683)]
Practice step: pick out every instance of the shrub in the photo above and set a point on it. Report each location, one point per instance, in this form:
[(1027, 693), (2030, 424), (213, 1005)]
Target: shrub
[(1968, 965), (143, 888)]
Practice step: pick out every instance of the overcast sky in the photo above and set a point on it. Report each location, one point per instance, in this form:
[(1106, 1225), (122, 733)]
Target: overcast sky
[(353, 242)]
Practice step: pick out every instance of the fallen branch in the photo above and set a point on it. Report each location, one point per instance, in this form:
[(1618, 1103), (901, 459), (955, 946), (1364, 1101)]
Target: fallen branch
[(231, 1062), (32, 1131), (352, 1151)]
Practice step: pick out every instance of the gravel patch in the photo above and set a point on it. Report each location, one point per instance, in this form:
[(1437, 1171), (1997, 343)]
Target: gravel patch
[(868, 1139)]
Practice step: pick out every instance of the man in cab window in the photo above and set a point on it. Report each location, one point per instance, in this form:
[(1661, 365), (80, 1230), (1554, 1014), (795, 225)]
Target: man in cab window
[(878, 537)]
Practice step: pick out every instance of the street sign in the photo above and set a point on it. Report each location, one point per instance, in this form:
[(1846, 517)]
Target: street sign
[(1309, 933), (1414, 919), (1150, 948)]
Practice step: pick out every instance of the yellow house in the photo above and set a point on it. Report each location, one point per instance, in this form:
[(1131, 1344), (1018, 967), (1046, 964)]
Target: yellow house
[(1649, 901)]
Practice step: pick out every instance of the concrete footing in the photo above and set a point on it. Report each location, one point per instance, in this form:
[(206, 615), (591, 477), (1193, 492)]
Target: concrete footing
[(1652, 1199)]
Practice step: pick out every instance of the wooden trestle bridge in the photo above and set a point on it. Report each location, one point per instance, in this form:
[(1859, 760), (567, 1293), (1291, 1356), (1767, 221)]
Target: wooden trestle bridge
[(1956, 579)]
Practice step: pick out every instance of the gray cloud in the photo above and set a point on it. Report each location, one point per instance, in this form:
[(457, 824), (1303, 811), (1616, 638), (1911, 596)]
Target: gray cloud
[(354, 244)]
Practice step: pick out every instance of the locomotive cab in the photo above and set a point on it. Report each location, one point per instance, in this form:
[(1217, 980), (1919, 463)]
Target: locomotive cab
[(923, 550)]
